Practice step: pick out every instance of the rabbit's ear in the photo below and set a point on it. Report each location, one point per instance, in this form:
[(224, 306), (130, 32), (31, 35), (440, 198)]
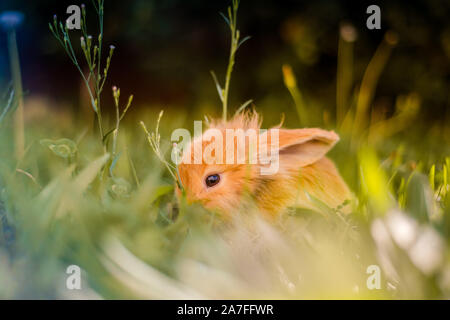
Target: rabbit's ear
[(302, 147)]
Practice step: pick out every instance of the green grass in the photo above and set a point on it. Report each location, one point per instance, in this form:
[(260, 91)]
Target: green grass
[(109, 207)]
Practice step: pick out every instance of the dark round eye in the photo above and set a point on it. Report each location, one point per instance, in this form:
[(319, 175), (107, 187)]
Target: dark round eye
[(212, 180)]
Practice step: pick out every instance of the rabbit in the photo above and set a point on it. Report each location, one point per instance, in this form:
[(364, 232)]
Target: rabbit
[(303, 171)]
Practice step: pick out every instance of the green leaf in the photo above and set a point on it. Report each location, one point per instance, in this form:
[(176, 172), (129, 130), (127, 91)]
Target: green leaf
[(64, 148), (225, 18), (432, 176), (161, 191)]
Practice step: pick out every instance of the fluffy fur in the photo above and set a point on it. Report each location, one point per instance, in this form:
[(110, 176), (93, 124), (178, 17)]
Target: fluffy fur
[(304, 171)]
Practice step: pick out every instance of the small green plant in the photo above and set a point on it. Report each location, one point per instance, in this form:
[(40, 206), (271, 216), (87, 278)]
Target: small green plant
[(63, 148), (96, 78), (154, 139)]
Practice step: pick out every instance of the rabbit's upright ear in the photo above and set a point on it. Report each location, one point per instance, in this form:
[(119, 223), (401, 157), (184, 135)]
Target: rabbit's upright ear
[(302, 147)]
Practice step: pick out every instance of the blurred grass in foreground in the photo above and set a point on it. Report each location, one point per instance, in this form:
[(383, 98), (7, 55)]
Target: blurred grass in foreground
[(67, 201)]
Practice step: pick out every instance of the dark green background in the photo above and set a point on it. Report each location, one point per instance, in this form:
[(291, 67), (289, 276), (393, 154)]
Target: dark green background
[(165, 50)]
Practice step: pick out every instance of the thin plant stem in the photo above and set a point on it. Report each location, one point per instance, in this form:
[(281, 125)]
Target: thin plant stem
[(370, 81), (231, 21)]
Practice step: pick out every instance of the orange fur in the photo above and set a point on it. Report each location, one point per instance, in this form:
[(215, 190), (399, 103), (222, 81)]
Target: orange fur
[(304, 171)]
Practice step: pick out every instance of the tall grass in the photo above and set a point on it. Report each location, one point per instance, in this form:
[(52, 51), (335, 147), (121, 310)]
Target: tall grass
[(235, 43), (10, 21)]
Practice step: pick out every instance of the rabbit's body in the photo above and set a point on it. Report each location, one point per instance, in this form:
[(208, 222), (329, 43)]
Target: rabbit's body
[(320, 180), (305, 177)]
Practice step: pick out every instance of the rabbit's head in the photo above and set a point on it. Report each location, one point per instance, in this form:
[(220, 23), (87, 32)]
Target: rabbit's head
[(219, 168)]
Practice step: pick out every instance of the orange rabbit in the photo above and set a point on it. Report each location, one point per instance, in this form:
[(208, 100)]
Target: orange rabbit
[(303, 170)]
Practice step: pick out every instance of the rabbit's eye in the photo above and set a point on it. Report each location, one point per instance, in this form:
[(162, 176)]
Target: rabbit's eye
[(212, 180)]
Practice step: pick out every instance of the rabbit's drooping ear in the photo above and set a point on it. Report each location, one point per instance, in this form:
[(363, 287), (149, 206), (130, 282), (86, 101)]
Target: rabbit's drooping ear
[(302, 147)]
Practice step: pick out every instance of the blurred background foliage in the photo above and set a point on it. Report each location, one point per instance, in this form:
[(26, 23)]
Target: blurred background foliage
[(166, 49), (386, 92)]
